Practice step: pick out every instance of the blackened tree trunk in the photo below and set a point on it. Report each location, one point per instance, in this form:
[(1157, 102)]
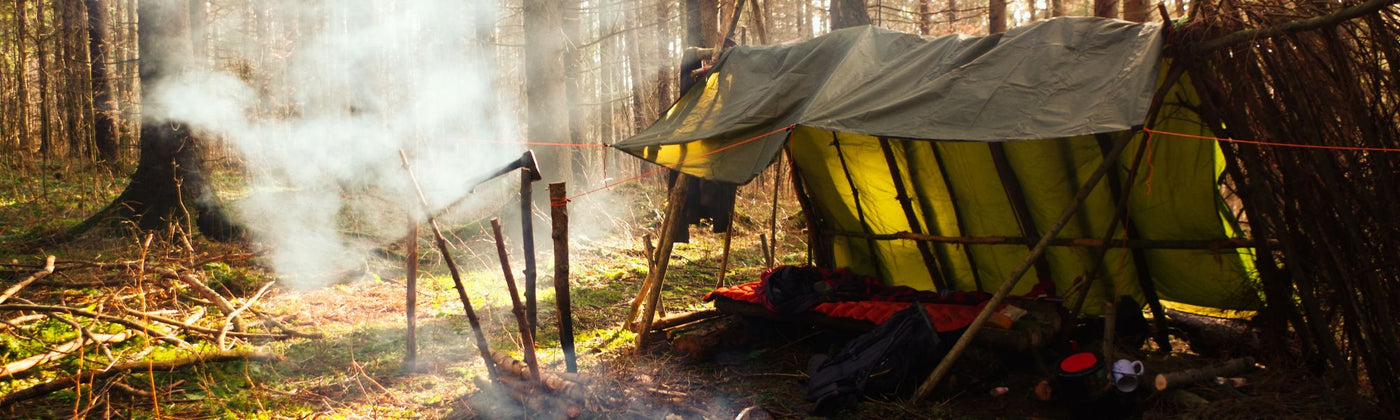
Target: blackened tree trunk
[(103, 104), (169, 185)]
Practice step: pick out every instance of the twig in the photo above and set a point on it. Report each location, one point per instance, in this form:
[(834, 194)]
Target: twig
[(164, 366), (228, 320), (206, 330), (1292, 27), (203, 290), (19, 366), (148, 330), (48, 269)]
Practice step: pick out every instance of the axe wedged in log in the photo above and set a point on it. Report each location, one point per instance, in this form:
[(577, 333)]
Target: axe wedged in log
[(526, 162)]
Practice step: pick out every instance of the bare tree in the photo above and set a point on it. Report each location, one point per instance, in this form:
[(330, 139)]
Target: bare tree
[(103, 104)]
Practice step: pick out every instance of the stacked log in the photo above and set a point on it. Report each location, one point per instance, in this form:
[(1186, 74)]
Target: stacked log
[(558, 394)]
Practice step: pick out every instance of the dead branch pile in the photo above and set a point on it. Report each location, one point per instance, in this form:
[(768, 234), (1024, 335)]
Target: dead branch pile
[(109, 326), (1321, 74)]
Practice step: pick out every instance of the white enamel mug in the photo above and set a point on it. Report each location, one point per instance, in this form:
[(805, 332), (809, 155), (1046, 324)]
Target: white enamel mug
[(1126, 373)]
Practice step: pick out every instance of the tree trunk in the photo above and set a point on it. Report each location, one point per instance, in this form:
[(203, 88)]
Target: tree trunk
[(1106, 8), (546, 110), (103, 104), (169, 185), (1135, 10), (1057, 8), (925, 17), (996, 16), (25, 143), (45, 136), (848, 13)]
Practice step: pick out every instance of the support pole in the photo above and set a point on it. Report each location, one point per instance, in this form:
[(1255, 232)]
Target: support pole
[(559, 218), (947, 363), (527, 238), (411, 295), (724, 258), (772, 246), (906, 201), (527, 340), (441, 241), (674, 205)]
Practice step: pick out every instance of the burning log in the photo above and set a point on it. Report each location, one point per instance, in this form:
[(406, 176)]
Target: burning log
[(529, 396), (570, 386)]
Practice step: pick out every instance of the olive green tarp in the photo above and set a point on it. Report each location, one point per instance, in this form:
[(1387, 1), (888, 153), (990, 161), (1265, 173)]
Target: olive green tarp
[(865, 113)]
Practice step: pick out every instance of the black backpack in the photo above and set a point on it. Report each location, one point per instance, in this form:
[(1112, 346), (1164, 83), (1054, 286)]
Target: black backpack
[(889, 360)]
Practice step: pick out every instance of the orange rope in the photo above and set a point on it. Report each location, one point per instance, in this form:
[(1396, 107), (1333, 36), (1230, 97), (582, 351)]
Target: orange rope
[(1265, 143), (536, 143), (558, 203)]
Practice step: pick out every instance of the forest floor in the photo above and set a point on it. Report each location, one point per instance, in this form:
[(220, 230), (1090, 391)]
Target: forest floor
[(354, 367)]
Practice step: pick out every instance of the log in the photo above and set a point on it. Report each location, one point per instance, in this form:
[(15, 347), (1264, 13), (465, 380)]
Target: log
[(1190, 376), (530, 396), (699, 341), (161, 366), (12, 290), (527, 340), (559, 218), (684, 318)]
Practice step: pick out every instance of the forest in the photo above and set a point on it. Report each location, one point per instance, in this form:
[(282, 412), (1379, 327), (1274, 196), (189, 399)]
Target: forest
[(252, 208)]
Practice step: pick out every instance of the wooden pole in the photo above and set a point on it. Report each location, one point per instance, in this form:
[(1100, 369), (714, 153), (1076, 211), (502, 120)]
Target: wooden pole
[(724, 257), (527, 238), (674, 205), (411, 294), (772, 246), (441, 241), (559, 218), (906, 202), (527, 340), (947, 363)]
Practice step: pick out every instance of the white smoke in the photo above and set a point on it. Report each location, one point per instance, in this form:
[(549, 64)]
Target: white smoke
[(320, 98)]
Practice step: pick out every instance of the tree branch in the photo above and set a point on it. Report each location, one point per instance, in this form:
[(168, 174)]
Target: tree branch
[(1329, 19)]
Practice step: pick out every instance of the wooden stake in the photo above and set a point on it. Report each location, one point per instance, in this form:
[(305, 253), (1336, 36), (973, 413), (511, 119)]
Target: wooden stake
[(527, 340), (947, 363), (411, 294), (527, 238), (772, 246), (559, 216), (674, 205), (441, 241), (724, 257)]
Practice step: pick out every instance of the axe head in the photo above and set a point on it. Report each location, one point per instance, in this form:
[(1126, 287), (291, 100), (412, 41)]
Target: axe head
[(527, 162)]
